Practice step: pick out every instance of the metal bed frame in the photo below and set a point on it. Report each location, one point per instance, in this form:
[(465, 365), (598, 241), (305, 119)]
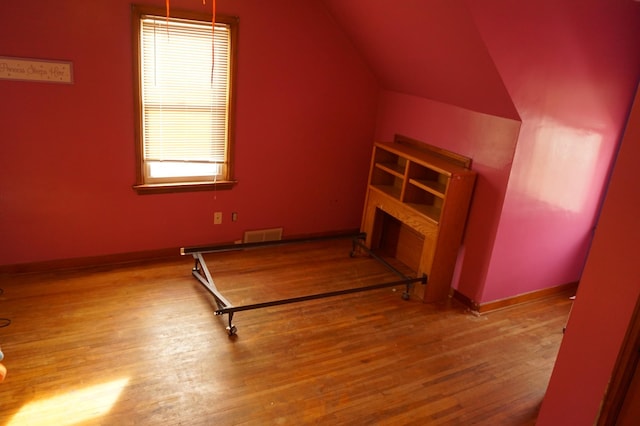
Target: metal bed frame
[(202, 273)]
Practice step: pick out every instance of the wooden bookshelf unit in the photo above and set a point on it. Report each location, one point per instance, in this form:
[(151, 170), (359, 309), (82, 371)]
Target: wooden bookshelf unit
[(416, 208)]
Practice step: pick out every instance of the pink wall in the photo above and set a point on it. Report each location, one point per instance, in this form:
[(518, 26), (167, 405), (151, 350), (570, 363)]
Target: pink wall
[(608, 293), (571, 74), (488, 139), (306, 106)]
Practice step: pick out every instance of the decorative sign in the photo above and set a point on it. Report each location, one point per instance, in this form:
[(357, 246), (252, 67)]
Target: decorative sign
[(35, 70)]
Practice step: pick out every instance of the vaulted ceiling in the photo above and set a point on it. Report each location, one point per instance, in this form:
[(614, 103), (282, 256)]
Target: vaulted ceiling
[(426, 48)]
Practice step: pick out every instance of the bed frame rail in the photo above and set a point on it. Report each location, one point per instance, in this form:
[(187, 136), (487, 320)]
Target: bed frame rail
[(201, 272)]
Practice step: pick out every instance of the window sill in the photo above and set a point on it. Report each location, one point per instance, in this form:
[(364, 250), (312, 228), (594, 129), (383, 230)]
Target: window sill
[(166, 188)]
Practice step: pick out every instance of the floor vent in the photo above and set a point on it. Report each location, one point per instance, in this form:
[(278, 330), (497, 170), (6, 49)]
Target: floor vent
[(262, 235)]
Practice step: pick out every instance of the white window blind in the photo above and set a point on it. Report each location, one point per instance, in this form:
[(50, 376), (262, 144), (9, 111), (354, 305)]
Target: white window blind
[(185, 99)]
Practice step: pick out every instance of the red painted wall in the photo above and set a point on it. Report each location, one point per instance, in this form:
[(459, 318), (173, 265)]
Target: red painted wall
[(426, 48), (608, 293), (306, 106)]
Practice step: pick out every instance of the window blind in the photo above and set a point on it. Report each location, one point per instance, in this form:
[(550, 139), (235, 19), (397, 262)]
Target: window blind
[(185, 96)]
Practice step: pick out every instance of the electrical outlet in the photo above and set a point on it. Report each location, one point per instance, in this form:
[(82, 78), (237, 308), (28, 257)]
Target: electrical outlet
[(234, 216), (217, 218)]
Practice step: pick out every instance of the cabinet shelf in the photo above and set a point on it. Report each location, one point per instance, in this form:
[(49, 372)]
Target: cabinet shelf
[(390, 190), (436, 188), (394, 169)]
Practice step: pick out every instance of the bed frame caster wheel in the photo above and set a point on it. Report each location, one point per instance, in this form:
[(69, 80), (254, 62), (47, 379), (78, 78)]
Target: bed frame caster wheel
[(405, 296)]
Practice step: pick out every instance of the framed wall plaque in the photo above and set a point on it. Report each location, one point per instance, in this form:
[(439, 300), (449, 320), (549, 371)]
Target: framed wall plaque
[(24, 69)]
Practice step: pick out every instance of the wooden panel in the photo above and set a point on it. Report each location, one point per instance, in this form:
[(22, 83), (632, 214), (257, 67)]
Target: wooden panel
[(451, 156), (409, 247), (402, 212)]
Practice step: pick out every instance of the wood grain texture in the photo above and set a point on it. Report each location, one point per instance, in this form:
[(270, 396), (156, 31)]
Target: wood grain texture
[(366, 358)]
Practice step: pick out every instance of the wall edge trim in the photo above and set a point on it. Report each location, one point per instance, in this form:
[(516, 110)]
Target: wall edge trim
[(91, 261), (481, 308)]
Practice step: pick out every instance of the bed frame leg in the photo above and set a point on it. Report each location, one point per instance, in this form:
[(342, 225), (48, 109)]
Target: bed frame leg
[(231, 329), (356, 244), (406, 295), (196, 265)]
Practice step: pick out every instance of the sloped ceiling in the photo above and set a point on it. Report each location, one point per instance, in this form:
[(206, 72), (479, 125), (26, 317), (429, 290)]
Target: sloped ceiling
[(426, 48)]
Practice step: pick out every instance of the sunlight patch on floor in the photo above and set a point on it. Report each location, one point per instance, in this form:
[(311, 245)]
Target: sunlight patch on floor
[(72, 407)]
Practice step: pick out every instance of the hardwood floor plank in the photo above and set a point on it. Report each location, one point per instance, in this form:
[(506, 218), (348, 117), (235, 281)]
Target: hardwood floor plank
[(364, 358)]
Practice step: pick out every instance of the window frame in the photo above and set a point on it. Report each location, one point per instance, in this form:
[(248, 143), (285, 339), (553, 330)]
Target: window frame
[(180, 184)]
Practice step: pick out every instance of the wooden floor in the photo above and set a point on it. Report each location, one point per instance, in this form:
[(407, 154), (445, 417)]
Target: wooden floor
[(139, 344)]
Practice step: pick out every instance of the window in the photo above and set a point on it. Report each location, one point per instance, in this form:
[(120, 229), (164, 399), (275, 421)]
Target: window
[(183, 100)]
